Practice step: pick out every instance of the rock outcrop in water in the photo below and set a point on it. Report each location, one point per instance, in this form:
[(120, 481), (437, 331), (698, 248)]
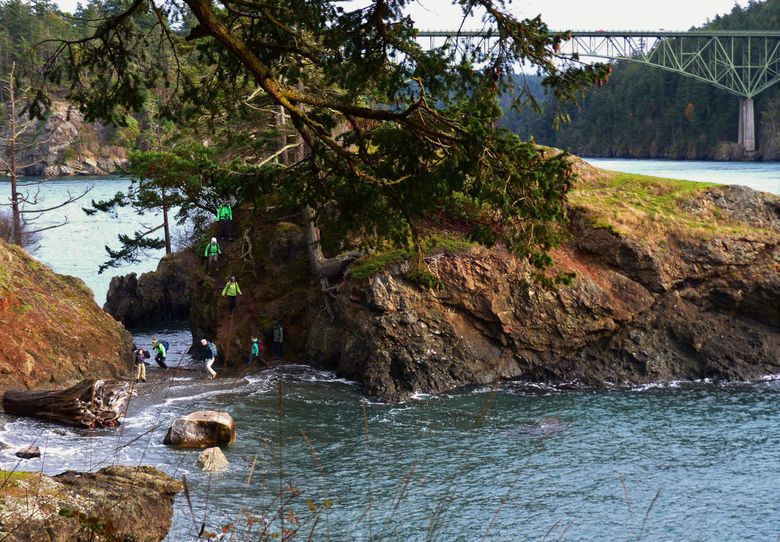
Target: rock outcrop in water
[(51, 331), (115, 503), (673, 281), (159, 296)]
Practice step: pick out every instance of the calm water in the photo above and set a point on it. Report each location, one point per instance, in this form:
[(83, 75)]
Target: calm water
[(764, 176), (698, 460)]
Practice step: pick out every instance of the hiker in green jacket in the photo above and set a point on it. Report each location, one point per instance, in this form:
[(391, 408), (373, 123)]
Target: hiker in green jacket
[(212, 253), (159, 347), (256, 351), (225, 218), (231, 290)]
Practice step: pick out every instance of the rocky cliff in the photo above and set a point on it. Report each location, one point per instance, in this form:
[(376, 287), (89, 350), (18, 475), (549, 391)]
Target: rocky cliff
[(114, 503), (673, 280), (66, 145), (51, 331)]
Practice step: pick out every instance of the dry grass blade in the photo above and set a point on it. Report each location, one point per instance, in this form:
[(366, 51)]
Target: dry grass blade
[(368, 462), (189, 499), (647, 514), (625, 492)]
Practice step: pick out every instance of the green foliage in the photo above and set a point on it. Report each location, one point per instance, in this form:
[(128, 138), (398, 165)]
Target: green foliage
[(369, 266), (393, 133)]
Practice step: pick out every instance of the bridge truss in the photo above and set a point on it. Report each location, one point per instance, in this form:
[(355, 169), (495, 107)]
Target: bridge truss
[(744, 63)]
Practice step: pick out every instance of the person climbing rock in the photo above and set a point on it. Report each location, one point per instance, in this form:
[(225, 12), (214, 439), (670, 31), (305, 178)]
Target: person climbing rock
[(278, 344), (209, 351), (212, 253), (231, 290), (140, 364), (162, 352), (256, 352), (225, 218)]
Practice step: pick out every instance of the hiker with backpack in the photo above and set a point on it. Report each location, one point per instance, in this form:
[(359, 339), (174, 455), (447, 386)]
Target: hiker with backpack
[(225, 219), (256, 352), (212, 253), (231, 290), (161, 347), (210, 353), (278, 336)]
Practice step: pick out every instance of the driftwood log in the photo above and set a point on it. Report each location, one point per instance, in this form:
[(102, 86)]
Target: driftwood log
[(91, 403)]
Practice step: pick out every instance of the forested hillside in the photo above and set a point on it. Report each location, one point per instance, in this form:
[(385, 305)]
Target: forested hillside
[(644, 112), (61, 141)]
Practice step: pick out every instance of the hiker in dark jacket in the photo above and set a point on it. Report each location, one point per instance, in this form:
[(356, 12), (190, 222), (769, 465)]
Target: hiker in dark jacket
[(140, 365), (278, 335), (209, 352), (231, 290), (159, 347)]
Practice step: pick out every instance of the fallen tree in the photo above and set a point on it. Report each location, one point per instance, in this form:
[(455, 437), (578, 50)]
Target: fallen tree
[(90, 403)]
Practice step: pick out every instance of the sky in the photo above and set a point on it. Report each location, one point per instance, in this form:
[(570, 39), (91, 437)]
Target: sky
[(574, 14), (590, 14)]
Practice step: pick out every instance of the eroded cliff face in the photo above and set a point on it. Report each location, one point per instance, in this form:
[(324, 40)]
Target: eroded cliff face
[(52, 333), (672, 286), (69, 146), (667, 305)]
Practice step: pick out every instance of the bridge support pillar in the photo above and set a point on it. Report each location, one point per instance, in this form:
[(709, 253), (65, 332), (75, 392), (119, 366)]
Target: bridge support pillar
[(747, 127)]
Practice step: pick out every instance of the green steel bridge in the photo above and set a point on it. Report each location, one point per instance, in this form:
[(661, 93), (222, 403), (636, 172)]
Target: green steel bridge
[(744, 63)]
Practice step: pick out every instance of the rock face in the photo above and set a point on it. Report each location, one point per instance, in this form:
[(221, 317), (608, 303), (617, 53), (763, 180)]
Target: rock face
[(641, 309), (668, 287), (51, 331), (202, 429), (158, 296), (119, 503), (70, 146)]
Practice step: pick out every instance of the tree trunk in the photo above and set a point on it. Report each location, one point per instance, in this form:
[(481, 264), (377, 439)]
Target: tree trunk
[(91, 403), (16, 215), (322, 267)]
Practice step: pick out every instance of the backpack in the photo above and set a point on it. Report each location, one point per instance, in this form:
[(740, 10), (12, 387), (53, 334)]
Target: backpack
[(166, 345)]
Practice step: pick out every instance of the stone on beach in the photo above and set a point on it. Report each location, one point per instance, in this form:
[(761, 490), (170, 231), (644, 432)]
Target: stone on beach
[(28, 452), (212, 459), (202, 429)]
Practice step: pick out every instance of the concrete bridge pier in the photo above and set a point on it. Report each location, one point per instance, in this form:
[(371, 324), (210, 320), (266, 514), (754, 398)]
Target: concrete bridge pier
[(747, 127)]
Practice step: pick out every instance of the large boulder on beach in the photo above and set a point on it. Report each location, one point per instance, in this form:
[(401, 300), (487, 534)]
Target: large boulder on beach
[(212, 460), (114, 503), (202, 429)]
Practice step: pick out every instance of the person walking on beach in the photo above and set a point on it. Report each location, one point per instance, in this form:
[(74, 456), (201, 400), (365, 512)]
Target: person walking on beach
[(256, 352), (231, 290), (278, 344), (159, 347), (225, 218), (212, 253), (140, 365), (209, 350)]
